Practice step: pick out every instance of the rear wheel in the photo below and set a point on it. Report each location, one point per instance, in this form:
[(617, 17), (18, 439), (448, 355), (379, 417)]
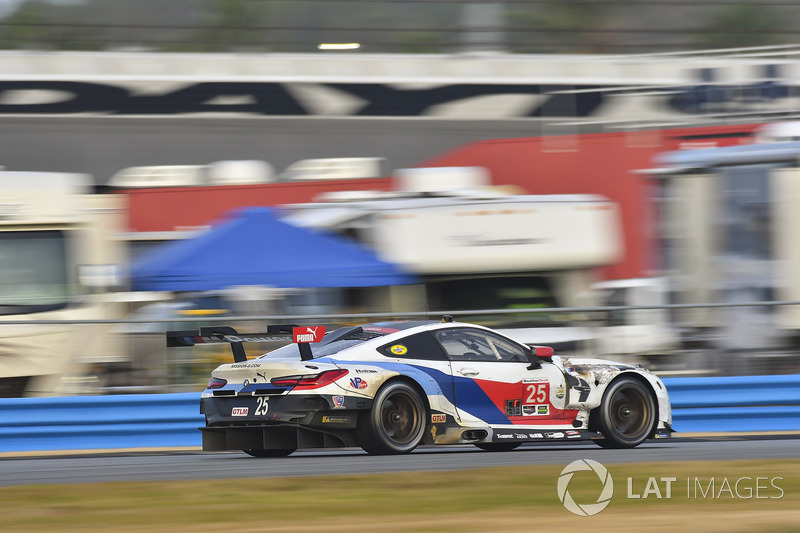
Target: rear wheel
[(498, 446), (627, 414), (280, 452), (396, 423)]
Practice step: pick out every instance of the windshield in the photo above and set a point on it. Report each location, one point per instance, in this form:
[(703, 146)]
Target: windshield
[(33, 271)]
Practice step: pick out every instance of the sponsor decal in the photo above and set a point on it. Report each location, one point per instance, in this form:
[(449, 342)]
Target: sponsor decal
[(365, 371), (327, 419), (554, 435), (398, 349), (534, 380), (515, 435), (338, 402), (240, 338), (247, 365), (438, 418), (239, 411), (380, 330), (560, 392), (535, 410), (358, 383), (308, 334)]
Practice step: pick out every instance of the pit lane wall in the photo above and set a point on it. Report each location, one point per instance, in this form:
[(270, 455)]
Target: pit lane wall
[(743, 404)]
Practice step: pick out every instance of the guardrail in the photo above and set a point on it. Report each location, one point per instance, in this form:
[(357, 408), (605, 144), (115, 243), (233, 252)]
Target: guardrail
[(100, 422), (735, 404), (718, 404)]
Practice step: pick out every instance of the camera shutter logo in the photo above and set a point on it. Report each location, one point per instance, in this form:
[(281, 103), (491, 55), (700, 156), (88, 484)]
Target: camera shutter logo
[(586, 509)]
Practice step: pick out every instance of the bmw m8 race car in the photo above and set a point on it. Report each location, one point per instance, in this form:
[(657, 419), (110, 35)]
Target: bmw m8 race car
[(392, 386)]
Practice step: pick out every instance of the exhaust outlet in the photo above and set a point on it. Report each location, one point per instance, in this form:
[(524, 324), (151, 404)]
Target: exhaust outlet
[(474, 434)]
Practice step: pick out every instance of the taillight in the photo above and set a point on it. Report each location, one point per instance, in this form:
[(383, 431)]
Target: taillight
[(216, 383), (309, 382)]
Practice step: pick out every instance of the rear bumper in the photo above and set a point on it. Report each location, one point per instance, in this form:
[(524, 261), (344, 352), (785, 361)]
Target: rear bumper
[(289, 408), (280, 422), (275, 437)]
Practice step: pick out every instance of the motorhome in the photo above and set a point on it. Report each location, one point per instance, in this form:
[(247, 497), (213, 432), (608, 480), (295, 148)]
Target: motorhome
[(59, 262), (476, 246)]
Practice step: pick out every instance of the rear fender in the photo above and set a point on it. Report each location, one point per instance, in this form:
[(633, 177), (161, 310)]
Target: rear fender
[(436, 385)]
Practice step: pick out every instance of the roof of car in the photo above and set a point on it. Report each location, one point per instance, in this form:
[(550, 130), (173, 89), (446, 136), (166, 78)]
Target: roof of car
[(397, 326)]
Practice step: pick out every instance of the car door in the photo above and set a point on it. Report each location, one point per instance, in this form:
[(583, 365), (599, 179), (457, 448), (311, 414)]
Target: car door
[(495, 382)]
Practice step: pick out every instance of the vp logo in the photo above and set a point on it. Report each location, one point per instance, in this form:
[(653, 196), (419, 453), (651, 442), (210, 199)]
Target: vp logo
[(586, 509), (358, 383)]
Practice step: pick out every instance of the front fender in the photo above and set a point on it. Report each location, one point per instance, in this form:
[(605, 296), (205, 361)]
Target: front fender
[(588, 379)]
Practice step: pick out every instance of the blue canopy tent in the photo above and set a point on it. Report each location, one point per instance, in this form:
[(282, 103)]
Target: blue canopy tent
[(255, 247)]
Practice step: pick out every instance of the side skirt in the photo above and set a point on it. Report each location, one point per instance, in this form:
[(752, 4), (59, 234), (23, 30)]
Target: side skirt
[(535, 435)]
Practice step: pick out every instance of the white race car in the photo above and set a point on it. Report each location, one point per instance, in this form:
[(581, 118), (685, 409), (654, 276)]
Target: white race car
[(392, 386)]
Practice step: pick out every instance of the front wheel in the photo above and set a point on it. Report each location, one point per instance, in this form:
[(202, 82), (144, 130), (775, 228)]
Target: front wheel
[(627, 414), (280, 452), (396, 423)]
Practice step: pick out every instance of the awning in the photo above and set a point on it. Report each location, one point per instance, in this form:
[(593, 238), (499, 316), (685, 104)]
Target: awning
[(254, 247)]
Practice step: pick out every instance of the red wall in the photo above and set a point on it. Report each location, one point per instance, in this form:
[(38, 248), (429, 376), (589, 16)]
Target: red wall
[(603, 163), (171, 209)]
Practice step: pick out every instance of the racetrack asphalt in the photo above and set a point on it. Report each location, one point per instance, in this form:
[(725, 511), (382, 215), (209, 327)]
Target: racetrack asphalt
[(192, 464)]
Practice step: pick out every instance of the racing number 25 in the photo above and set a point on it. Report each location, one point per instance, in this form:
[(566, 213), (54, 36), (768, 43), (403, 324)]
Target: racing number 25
[(261, 405), (536, 393)]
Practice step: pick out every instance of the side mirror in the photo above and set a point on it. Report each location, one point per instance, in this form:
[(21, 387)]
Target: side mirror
[(539, 353), (544, 352)]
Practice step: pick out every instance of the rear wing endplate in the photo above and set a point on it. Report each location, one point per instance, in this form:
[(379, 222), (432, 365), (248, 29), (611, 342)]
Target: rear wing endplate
[(227, 334)]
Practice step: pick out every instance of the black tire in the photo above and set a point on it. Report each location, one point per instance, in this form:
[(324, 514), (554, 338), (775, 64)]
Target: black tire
[(280, 452), (626, 415), (498, 446), (396, 423)]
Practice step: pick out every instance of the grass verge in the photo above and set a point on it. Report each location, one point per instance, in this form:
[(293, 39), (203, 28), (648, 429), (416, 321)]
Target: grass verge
[(703, 496)]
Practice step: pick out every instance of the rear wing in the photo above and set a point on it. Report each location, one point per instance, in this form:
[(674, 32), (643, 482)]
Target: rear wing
[(302, 336)]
